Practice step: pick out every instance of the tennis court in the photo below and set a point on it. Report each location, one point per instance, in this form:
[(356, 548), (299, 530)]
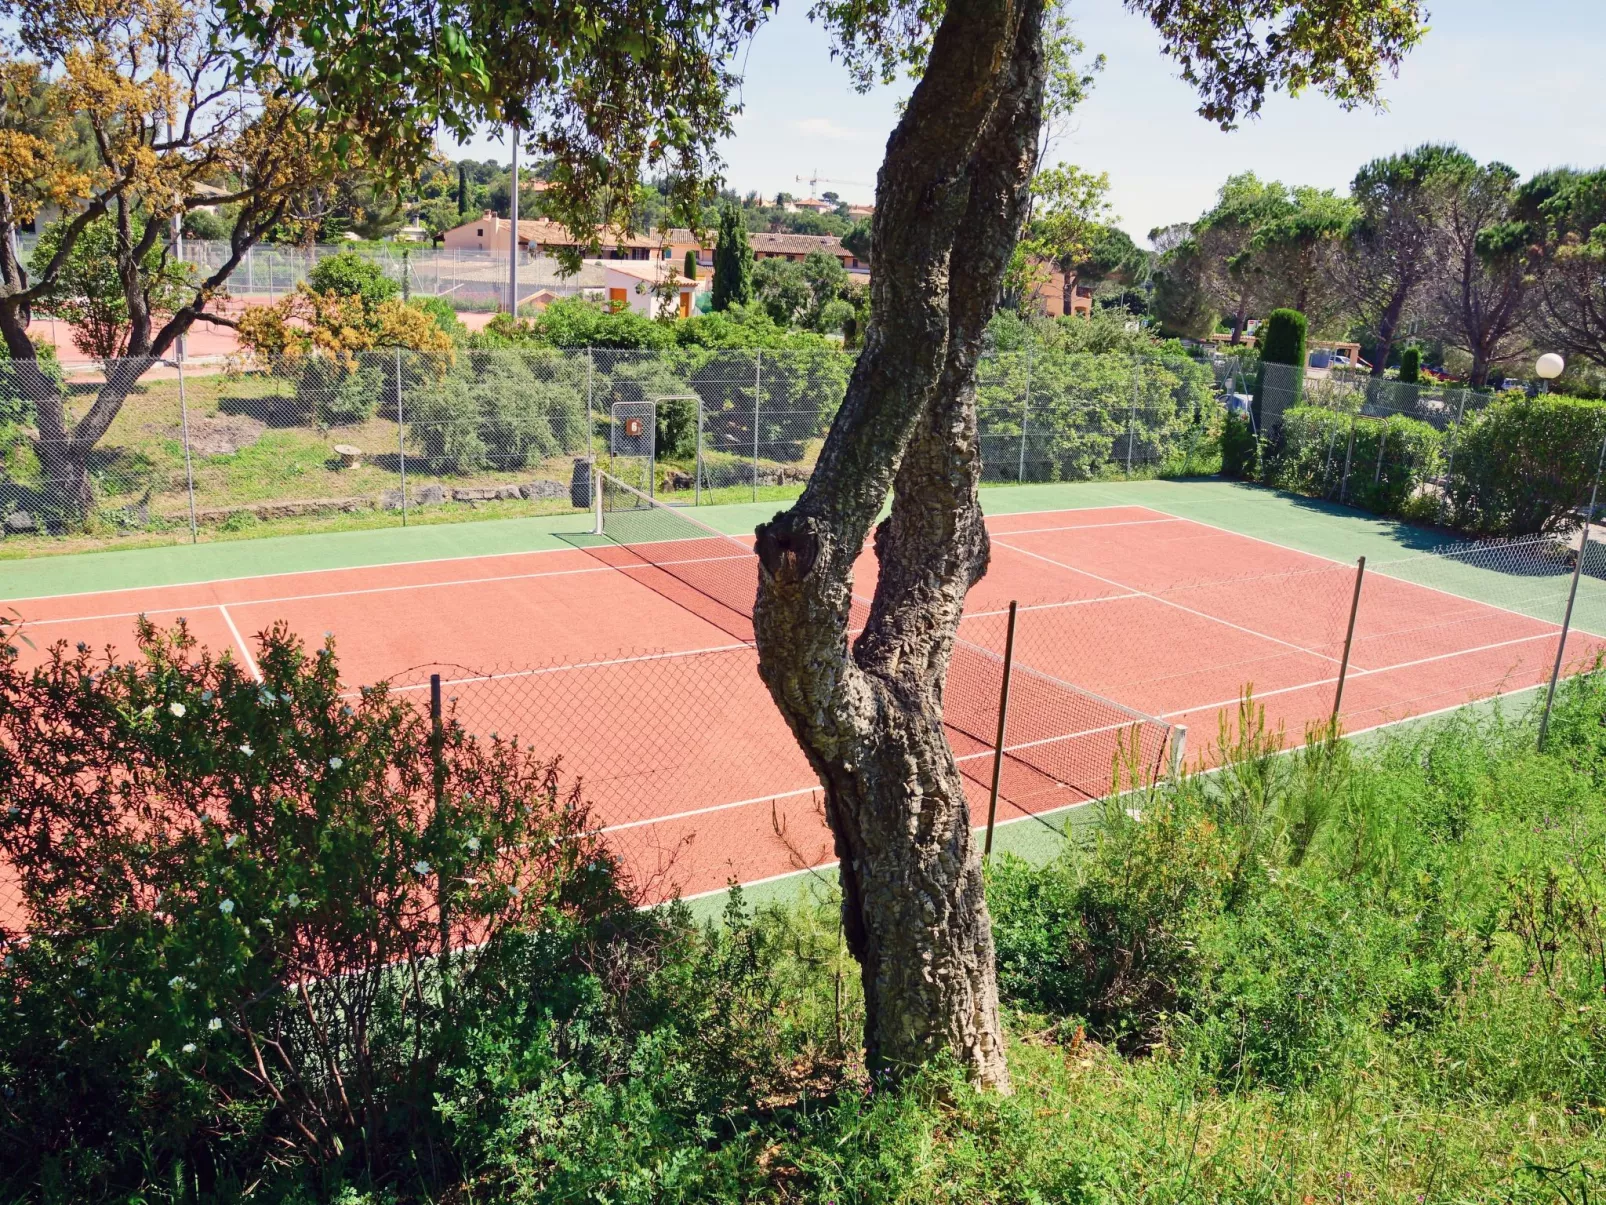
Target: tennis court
[(630, 655)]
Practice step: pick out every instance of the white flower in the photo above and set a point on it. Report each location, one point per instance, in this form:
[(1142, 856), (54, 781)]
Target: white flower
[(215, 1024), (264, 696), (335, 763), (226, 907), (177, 983), (150, 1075), (177, 709), (63, 1045), (188, 1048), (294, 901), (247, 750), (473, 845), (234, 839), (421, 866)]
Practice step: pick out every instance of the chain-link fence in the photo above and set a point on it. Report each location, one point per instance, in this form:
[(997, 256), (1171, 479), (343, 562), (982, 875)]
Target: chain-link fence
[(470, 279), (393, 436)]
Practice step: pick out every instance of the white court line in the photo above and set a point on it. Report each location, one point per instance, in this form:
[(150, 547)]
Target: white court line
[(558, 669), (718, 807), (1028, 531), (1049, 606), (1168, 602), (1362, 673), (239, 640)]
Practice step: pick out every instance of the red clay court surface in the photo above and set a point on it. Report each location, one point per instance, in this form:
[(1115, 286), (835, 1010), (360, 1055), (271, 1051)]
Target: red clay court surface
[(657, 707)]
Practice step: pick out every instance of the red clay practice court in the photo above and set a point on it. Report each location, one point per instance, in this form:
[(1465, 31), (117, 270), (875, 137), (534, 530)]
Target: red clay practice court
[(1131, 622)]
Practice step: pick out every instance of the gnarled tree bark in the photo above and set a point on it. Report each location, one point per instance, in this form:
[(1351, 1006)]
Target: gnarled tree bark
[(949, 204)]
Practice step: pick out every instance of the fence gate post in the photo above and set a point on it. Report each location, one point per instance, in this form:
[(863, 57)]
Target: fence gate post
[(1572, 595), (184, 422), (758, 384), (1025, 413), (401, 437), (591, 422)]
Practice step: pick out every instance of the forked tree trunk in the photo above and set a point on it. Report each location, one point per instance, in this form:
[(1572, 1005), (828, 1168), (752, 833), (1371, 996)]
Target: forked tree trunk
[(950, 201)]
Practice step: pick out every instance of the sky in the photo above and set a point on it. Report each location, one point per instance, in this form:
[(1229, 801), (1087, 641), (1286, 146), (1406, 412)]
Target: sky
[(1518, 81)]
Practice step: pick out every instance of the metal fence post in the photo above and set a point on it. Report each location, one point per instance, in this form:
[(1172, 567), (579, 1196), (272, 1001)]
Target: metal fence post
[(189, 468), (1349, 637), (1572, 595), (1455, 438), (1025, 413), (758, 384), (1349, 453), (591, 422), (1132, 415), (1003, 720), (401, 437), (697, 470)]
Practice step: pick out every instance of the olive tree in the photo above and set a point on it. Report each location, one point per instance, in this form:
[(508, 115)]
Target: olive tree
[(648, 80)]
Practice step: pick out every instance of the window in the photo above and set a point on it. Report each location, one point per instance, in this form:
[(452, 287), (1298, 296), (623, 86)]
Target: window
[(480, 233)]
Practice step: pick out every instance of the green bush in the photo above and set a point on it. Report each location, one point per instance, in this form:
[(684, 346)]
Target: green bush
[(444, 314), (1411, 365), (1523, 465), (1391, 458), (492, 411), (351, 275), (230, 960), (1240, 448)]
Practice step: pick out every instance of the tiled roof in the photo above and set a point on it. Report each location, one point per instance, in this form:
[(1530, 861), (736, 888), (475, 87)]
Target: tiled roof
[(797, 244)]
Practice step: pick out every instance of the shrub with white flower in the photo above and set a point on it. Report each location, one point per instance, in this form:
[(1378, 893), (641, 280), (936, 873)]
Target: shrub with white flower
[(336, 762), (215, 1024), (177, 709), (421, 866), (226, 907)]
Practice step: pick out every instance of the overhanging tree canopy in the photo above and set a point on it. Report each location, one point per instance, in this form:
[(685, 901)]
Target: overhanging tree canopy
[(649, 78)]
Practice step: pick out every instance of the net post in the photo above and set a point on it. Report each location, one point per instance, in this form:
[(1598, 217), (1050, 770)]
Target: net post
[(1179, 750), (437, 765), (596, 499), (1572, 595), (1349, 637), (401, 437), (1003, 720), (189, 468)]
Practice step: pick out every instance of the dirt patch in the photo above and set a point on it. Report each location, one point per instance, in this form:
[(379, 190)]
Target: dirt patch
[(220, 434)]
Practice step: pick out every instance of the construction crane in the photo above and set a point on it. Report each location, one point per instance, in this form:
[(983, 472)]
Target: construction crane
[(817, 179)]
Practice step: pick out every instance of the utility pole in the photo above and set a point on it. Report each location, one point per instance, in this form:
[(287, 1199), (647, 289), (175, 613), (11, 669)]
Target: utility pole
[(513, 229)]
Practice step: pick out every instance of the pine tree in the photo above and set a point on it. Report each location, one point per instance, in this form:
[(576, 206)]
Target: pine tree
[(733, 261)]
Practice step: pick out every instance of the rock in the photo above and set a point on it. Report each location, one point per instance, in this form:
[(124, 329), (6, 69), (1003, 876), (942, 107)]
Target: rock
[(391, 500), (543, 489), (509, 493), (19, 522), (429, 495), (474, 493)]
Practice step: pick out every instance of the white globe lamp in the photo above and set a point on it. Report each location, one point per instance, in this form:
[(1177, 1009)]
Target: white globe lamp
[(1550, 366)]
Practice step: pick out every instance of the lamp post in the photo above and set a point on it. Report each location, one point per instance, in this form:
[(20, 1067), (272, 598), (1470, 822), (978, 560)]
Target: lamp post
[(1549, 366)]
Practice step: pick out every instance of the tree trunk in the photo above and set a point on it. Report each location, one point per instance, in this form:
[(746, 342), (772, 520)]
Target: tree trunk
[(950, 200)]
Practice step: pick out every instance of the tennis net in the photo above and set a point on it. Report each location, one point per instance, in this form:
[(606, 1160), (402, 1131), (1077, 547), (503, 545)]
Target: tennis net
[(1061, 744)]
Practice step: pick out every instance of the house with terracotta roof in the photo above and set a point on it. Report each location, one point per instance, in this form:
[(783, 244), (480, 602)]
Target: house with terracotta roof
[(540, 236), (797, 247), (1054, 296), (651, 286)]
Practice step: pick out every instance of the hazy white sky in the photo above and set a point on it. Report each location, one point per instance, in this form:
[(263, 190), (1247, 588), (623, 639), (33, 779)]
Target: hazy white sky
[(1515, 80)]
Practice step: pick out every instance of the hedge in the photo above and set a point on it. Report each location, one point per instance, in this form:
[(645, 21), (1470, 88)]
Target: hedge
[(1522, 465), (1390, 460)]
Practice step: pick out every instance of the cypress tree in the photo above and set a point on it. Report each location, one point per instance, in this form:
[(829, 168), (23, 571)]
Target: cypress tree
[(462, 189), (1410, 366), (690, 272), (733, 261), (1282, 342)]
